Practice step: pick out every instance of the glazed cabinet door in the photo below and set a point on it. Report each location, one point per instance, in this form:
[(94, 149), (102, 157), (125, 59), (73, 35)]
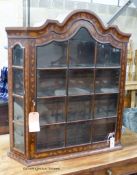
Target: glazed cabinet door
[(18, 97), (77, 92)]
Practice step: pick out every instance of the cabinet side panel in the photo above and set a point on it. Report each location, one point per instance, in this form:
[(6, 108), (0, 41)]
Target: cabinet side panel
[(10, 92), (122, 92)]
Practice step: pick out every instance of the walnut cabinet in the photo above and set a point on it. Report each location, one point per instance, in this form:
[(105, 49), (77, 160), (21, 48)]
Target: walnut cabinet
[(73, 75)]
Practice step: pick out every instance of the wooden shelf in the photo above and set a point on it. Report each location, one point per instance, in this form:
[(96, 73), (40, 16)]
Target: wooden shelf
[(132, 86), (108, 67), (18, 96), (52, 68), (18, 122), (17, 67), (106, 93)]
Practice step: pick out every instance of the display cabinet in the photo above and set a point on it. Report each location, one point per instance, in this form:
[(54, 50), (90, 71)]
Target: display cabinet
[(73, 75)]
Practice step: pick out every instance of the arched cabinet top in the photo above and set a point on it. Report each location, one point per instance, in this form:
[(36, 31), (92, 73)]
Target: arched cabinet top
[(53, 30)]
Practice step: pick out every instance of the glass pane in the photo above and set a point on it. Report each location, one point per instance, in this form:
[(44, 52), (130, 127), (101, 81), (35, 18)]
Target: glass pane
[(101, 129), (107, 81), (82, 48), (19, 137), (79, 108), (52, 55), (51, 83), (51, 111), (18, 56), (18, 109), (51, 137), (106, 106), (107, 55), (18, 81), (78, 133), (80, 82)]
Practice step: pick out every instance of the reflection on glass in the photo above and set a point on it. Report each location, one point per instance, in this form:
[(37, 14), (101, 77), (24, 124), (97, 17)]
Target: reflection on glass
[(51, 111), (18, 109), (51, 137), (79, 108), (107, 55), (80, 82), (78, 133), (51, 83), (102, 128), (18, 81), (18, 55), (19, 137), (82, 47), (105, 105), (107, 81), (52, 55)]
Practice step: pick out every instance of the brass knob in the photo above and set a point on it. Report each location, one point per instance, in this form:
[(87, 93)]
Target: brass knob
[(109, 172)]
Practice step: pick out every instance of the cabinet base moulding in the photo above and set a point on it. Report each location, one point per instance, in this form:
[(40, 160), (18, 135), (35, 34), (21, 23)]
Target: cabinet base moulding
[(41, 161)]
